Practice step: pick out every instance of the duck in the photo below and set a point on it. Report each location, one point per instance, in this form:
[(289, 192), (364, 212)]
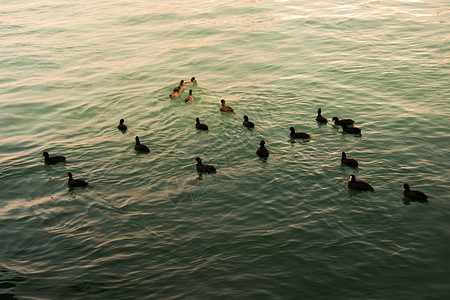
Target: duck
[(122, 126), (414, 195), (199, 125), (343, 121), (52, 160), (225, 108), (189, 98), (190, 82), (247, 123), (140, 147), (298, 135), (348, 161), (359, 185), (204, 168), (319, 117), (175, 93), (262, 151), (180, 87), (76, 182), (352, 130)]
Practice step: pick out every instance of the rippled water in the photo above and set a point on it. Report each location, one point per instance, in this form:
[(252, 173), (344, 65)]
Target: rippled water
[(150, 226)]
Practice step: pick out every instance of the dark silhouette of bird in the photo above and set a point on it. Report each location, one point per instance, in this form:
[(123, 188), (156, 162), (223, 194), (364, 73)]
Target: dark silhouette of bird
[(247, 123), (76, 182), (122, 126), (199, 125), (319, 117), (348, 161), (53, 160), (204, 168), (414, 195), (140, 147), (262, 151), (298, 135), (359, 185), (343, 121), (351, 130)]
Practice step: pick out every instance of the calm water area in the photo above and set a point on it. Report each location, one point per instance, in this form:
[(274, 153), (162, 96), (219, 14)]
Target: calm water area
[(149, 226)]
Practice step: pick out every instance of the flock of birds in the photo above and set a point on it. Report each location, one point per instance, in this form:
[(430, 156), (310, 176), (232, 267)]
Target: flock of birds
[(263, 152)]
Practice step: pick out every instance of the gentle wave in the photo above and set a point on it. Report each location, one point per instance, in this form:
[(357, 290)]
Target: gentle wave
[(149, 225)]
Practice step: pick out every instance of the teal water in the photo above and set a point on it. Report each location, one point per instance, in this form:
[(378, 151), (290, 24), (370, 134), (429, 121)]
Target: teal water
[(150, 226)]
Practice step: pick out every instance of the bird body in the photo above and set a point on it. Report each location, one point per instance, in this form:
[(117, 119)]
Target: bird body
[(189, 98), (189, 82), (175, 93), (204, 168), (262, 151), (352, 130), (180, 87), (319, 117), (248, 124), (343, 121), (359, 185), (348, 161), (122, 126), (52, 160), (225, 108), (140, 147), (76, 182), (414, 195), (298, 135), (199, 125)]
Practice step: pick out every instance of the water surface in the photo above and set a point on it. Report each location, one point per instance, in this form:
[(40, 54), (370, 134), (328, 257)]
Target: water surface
[(150, 226)]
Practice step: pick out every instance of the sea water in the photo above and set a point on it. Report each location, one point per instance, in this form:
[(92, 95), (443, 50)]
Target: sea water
[(149, 225)]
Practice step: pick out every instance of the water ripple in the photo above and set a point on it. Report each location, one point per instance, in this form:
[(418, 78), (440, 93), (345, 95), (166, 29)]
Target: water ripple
[(257, 228)]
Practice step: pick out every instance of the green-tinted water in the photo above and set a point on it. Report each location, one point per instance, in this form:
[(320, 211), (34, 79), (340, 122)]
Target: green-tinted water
[(150, 226)]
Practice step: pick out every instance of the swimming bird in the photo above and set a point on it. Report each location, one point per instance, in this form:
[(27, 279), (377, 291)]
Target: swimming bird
[(190, 82), (121, 125), (199, 125), (225, 108), (175, 93), (53, 160), (76, 182), (204, 168), (247, 123), (262, 151), (343, 121), (352, 130), (359, 185), (348, 161), (140, 147), (319, 117), (298, 135), (189, 98), (180, 87), (414, 195)]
